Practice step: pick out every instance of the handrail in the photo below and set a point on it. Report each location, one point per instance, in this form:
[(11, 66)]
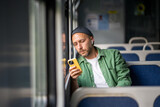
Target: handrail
[(150, 44), (137, 38)]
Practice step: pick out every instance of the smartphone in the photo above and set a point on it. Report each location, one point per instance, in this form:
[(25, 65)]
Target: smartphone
[(74, 62)]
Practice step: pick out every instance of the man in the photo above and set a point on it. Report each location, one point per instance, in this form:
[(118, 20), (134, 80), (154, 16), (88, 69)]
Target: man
[(100, 67)]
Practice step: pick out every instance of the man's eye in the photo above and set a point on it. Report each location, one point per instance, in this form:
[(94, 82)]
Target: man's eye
[(75, 44), (82, 41)]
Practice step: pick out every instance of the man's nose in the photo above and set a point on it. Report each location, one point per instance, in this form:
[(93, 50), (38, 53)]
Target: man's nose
[(79, 46)]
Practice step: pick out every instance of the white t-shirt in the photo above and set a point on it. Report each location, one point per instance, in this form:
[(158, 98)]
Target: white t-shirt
[(98, 76)]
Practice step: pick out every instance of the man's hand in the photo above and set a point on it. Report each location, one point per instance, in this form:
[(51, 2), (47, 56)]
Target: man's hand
[(74, 72)]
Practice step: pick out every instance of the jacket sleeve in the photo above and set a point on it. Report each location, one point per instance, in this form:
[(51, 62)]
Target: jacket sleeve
[(122, 70)]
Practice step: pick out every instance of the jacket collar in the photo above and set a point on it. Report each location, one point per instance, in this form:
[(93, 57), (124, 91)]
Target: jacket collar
[(100, 54)]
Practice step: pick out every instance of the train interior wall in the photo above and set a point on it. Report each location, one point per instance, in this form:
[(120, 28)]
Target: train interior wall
[(116, 21), (105, 18)]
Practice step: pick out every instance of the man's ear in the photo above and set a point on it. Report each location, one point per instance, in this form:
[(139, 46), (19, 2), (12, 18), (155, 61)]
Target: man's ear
[(91, 38)]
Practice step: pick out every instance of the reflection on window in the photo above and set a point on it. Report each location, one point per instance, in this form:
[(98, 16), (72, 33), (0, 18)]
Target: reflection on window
[(64, 53)]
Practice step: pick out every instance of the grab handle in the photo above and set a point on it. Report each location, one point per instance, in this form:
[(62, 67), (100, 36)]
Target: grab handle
[(150, 44), (138, 38)]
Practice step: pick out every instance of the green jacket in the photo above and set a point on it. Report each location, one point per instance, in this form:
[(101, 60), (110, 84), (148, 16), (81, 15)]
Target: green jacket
[(112, 65)]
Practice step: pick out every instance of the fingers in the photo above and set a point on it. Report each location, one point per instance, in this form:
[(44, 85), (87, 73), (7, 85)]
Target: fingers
[(71, 68), (74, 72)]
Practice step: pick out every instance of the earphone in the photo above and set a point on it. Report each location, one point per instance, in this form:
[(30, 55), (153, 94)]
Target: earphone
[(92, 41)]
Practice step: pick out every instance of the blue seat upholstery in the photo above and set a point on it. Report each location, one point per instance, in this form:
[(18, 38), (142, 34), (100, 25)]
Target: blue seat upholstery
[(118, 48), (140, 48), (130, 56), (145, 75), (157, 102), (153, 57), (108, 102)]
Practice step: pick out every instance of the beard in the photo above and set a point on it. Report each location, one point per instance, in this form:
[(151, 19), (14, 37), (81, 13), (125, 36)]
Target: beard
[(85, 52)]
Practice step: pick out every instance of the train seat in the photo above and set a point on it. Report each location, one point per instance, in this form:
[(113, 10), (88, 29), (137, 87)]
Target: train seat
[(137, 55), (130, 56), (135, 43), (145, 73), (141, 55), (115, 97), (154, 54), (108, 102), (153, 57)]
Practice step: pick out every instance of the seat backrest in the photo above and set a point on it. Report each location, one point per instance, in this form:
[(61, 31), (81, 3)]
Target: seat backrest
[(141, 55), (130, 56), (154, 54), (119, 101), (147, 74), (116, 97), (140, 48), (153, 57)]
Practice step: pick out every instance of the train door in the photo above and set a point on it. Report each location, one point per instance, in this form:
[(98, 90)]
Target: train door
[(49, 36)]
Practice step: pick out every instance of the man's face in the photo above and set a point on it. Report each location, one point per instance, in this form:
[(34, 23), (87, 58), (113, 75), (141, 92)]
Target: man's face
[(82, 43)]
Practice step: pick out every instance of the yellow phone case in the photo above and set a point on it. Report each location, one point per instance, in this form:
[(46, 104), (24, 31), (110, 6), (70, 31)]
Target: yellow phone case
[(74, 62)]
